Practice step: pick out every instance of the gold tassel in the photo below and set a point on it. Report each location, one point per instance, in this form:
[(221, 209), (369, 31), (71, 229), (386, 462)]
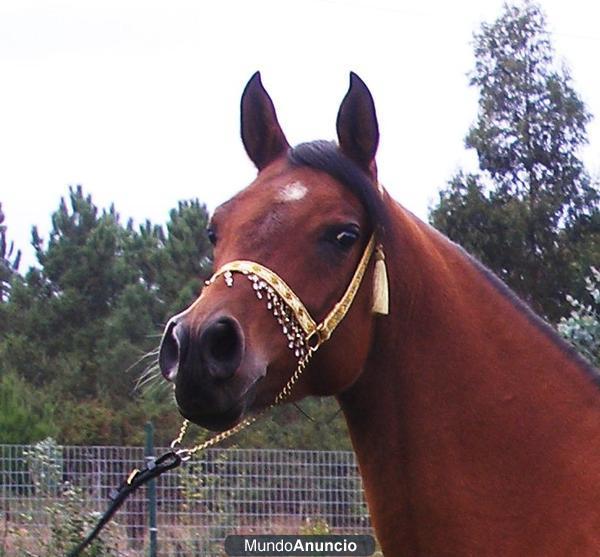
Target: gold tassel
[(381, 292)]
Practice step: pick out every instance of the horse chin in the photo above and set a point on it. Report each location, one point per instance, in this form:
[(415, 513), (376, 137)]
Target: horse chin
[(221, 418)]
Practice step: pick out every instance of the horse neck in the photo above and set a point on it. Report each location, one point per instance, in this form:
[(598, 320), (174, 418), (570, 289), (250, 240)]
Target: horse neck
[(474, 427)]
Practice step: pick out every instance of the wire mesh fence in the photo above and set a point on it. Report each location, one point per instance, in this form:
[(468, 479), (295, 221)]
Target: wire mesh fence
[(49, 492)]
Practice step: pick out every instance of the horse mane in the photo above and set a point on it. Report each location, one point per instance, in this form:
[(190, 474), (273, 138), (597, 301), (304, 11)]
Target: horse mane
[(538, 322), (327, 157)]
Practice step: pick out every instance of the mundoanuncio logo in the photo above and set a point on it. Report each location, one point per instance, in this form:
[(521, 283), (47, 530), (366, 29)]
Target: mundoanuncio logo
[(284, 546)]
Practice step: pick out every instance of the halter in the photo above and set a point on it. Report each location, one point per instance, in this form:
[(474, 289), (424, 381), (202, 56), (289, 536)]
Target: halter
[(304, 335), (304, 338)]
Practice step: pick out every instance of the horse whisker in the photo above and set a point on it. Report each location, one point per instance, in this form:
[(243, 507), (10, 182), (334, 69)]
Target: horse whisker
[(151, 354)]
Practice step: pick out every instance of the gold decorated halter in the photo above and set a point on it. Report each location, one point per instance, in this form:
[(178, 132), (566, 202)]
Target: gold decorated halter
[(268, 281), (303, 334)]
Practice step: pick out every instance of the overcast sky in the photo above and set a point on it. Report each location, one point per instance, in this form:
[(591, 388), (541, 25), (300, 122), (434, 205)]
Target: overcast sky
[(139, 101)]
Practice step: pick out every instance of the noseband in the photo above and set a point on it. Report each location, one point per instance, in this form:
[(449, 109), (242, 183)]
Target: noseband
[(279, 295), (304, 335)]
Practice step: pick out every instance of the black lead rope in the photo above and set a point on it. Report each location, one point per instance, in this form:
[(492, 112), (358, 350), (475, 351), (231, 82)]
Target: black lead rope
[(136, 479)]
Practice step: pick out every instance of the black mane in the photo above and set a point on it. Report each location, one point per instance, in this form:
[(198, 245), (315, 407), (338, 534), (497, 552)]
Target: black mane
[(327, 157)]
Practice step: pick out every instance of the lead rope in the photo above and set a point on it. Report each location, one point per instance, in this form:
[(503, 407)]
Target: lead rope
[(303, 350), (176, 457), (304, 337)]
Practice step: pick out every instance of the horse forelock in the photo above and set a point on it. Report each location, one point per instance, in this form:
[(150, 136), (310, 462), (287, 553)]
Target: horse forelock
[(327, 157)]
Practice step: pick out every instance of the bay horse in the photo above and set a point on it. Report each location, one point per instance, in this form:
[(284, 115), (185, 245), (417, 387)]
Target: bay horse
[(475, 427)]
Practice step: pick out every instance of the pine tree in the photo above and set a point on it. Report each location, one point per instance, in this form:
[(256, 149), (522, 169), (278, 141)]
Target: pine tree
[(9, 260), (81, 323), (532, 213)]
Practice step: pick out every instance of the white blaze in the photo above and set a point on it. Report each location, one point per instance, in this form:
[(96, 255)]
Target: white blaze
[(292, 192)]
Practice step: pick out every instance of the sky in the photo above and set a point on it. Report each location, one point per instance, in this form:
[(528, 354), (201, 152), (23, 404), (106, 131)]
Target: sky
[(138, 101)]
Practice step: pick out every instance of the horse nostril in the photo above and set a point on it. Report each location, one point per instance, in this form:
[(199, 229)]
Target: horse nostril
[(222, 341), (221, 347), (173, 348)]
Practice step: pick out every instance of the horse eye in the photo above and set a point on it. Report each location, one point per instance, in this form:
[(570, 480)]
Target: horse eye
[(212, 236), (346, 238)]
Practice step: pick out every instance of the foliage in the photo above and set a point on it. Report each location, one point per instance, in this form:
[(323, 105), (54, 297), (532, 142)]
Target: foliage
[(316, 423), (77, 333), (315, 527), (69, 519), (79, 327), (27, 414), (67, 510), (532, 213), (44, 462), (70, 522), (582, 327), (9, 260)]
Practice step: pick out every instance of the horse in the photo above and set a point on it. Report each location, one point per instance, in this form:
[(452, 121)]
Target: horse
[(475, 426)]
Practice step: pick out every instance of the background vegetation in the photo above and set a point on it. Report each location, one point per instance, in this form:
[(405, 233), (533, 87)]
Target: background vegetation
[(78, 332), (531, 212)]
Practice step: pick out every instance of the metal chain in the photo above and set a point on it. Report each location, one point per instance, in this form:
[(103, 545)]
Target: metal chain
[(299, 343), (187, 453)]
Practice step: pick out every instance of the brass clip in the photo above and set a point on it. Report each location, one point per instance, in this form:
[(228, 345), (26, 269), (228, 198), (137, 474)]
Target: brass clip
[(132, 475)]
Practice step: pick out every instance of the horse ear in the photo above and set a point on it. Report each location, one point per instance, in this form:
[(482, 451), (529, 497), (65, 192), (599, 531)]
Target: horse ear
[(357, 129), (262, 136)]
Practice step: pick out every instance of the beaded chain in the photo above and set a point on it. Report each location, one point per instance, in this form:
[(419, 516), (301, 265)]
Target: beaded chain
[(302, 333)]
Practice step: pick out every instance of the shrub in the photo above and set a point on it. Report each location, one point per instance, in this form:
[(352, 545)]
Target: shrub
[(582, 327)]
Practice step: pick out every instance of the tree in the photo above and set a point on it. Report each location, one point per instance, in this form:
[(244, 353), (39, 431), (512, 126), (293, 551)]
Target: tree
[(181, 259), (9, 260), (524, 213), (81, 323), (27, 413), (75, 332)]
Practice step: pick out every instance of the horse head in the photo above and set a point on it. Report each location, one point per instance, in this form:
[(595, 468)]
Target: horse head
[(306, 219), (470, 419)]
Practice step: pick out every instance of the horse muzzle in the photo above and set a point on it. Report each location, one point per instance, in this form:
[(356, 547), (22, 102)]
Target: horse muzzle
[(213, 373)]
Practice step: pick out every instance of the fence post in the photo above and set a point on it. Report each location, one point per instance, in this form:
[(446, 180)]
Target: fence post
[(151, 491)]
